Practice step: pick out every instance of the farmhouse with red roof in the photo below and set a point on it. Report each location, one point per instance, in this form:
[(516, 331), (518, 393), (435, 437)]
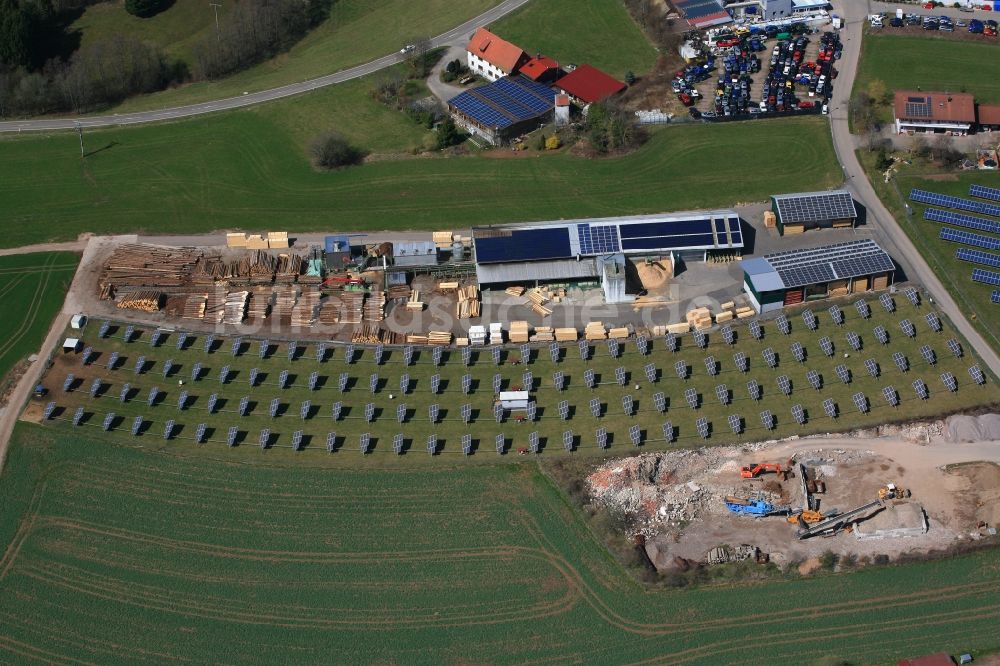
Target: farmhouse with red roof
[(492, 57)]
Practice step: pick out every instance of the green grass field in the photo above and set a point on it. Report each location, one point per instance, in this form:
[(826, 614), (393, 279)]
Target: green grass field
[(973, 298), (356, 32), (351, 421), (931, 63), (599, 32), (114, 553), (32, 288), (235, 170)]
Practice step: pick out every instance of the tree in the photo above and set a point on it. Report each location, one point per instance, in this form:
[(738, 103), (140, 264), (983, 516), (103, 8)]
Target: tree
[(145, 8), (15, 34), (332, 151), (918, 146), (448, 134), (862, 111), (630, 77), (419, 57)]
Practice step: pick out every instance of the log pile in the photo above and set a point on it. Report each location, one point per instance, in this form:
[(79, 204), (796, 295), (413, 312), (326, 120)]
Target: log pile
[(139, 265), (145, 300), (287, 268), (235, 309), (371, 335), (374, 308), (468, 302)]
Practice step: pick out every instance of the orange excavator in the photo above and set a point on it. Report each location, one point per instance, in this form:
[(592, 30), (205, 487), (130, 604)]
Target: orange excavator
[(753, 471)]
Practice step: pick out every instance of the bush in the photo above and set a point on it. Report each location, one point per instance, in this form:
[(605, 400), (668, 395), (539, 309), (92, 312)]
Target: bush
[(828, 560), (145, 8), (332, 151), (610, 129), (448, 134), (552, 142), (630, 77)]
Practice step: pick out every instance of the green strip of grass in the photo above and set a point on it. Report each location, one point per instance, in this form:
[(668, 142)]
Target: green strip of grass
[(240, 169)]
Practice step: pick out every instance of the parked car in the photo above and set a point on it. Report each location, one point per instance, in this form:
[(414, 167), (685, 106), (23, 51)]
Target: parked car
[(826, 109), (896, 22), (976, 27), (694, 113)]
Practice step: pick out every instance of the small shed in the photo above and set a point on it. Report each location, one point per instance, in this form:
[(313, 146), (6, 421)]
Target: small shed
[(796, 213), (78, 321), (414, 253), (71, 345), (514, 400)]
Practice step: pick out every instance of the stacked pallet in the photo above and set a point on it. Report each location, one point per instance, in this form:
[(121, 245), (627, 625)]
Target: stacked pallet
[(235, 309), (468, 302), (619, 333), (699, 318), (414, 302), (543, 334), (595, 331), (398, 292), (305, 310), (566, 334), (678, 329), (374, 308), (518, 331), (744, 312), (439, 337), (194, 306), (514, 291), (351, 305), (139, 265), (145, 300)]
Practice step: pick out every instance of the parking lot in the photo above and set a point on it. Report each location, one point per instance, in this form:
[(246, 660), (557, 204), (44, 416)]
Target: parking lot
[(753, 74), (950, 21)]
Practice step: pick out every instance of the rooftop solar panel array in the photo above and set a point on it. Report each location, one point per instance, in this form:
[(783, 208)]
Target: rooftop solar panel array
[(598, 239), (969, 238), (798, 268), (504, 102), (945, 201), (960, 220), (983, 192), (815, 207)]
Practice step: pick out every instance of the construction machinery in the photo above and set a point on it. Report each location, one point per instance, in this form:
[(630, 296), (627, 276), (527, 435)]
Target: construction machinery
[(891, 491), (833, 525), (753, 507), (753, 471), (808, 516)]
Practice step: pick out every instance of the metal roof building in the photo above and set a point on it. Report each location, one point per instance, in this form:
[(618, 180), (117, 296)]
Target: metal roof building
[(414, 253), (703, 13), (786, 278), (797, 212), (502, 110)]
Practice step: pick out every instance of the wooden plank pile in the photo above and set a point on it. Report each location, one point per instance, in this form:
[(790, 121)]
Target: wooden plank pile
[(745, 312), (305, 310), (352, 304), (595, 331), (519, 331), (468, 305), (536, 300), (543, 334), (619, 333), (566, 334), (416, 339), (367, 334), (414, 302), (285, 298), (447, 287), (145, 300), (699, 318), (439, 337), (215, 306), (194, 306), (442, 239), (678, 329), (374, 308), (140, 265), (514, 291), (261, 299), (398, 292), (329, 312), (235, 309)]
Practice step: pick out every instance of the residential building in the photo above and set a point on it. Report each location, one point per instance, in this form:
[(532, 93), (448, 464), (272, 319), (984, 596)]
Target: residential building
[(491, 57), (934, 112), (988, 116)]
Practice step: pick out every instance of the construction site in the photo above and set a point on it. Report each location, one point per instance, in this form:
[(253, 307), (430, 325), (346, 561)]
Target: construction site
[(862, 495)]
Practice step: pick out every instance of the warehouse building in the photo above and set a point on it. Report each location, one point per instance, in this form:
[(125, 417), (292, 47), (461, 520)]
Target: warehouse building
[(796, 213), (504, 109), (788, 278), (595, 250)]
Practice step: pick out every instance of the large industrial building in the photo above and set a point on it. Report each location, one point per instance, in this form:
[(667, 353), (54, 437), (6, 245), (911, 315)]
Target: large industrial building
[(795, 213), (594, 250), (787, 278)]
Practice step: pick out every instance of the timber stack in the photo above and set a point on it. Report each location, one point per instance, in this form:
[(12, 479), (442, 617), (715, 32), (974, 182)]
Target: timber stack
[(145, 300), (468, 302)]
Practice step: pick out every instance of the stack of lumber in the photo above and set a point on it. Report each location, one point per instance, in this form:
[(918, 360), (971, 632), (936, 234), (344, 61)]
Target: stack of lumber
[(414, 302), (305, 310), (287, 268), (398, 292), (439, 337), (442, 239), (518, 331), (236, 240), (277, 240), (285, 298), (536, 300), (724, 316), (235, 309), (194, 306), (468, 302), (215, 305), (138, 265), (447, 286), (107, 292), (329, 312), (461, 342), (367, 334), (416, 339), (514, 291), (567, 334), (351, 304), (260, 303), (659, 330), (595, 331), (619, 333), (145, 300), (678, 329), (256, 242), (374, 308), (744, 312), (543, 334), (699, 318)]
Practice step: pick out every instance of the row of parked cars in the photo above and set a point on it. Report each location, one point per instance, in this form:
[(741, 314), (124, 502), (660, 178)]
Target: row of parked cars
[(942, 23)]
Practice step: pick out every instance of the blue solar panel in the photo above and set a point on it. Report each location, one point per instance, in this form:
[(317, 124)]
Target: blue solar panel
[(995, 296), (668, 242), (960, 220), (977, 240), (505, 102), (946, 201), (978, 257), (983, 192), (986, 277), (524, 245), (598, 239)]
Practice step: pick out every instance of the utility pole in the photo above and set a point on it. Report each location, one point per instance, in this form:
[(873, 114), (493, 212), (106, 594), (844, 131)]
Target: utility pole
[(215, 6), (79, 132)]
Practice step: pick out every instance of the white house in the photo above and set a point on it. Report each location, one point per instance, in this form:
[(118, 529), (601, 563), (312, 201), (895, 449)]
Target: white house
[(492, 57)]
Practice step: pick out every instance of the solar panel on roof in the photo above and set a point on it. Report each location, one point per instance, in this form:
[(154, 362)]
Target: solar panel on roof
[(784, 384), (369, 412), (364, 442), (860, 401), (949, 381), (722, 393), (691, 396), (742, 361), (799, 352), (728, 335), (671, 341), (620, 376), (628, 405), (769, 357), (843, 374), (957, 203), (907, 327), (660, 402), (797, 209), (702, 426), (109, 420), (78, 416), (881, 334), (826, 344), (836, 314), (642, 344), (589, 378), (783, 324), (900, 360), (863, 309), (814, 379), (933, 321), (466, 384), (554, 352), (928, 354), (983, 192), (809, 319), (969, 238), (977, 374), (336, 409), (830, 408), (700, 339)]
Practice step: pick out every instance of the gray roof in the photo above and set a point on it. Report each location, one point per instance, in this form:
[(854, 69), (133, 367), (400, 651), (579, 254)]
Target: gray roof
[(815, 206), (798, 268), (564, 269)]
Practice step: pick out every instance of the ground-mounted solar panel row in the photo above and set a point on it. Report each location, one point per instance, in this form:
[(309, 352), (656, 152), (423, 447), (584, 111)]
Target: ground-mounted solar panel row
[(957, 203), (960, 220), (983, 192)]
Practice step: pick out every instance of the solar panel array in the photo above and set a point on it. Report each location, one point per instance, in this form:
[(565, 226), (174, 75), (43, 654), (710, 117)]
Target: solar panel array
[(613, 347), (783, 325), (890, 395), (660, 402), (497, 383), (283, 379), (168, 429), (928, 354), (331, 441), (809, 319), (527, 381), (567, 437), (364, 442), (245, 405), (320, 352), (112, 361), (756, 330), (554, 352), (88, 353), (68, 383), (700, 339), (769, 357), (436, 355), (920, 388), (946, 201), (912, 296), (377, 354), (589, 378), (369, 412), (907, 327), (559, 380), (836, 314), (620, 376), (182, 400), (642, 344), (236, 346), (711, 365), (978, 257), (467, 444), (954, 347), (209, 344), (95, 386), (949, 381), (900, 361), (129, 333), (126, 388), (843, 374), (50, 408), (691, 396), (933, 321), (983, 192), (854, 340), (863, 309), (668, 431), (702, 426), (650, 370), (498, 412), (435, 384), (78, 416), (860, 401), (798, 414), (986, 277), (584, 348), (635, 435), (109, 419), (233, 431), (960, 220), (212, 401), (728, 335), (767, 419), (969, 238), (466, 384), (826, 344), (224, 374), (742, 361), (105, 328), (563, 408), (754, 390), (977, 374), (397, 443), (784, 384), (830, 408), (432, 443), (140, 364), (628, 405), (681, 368), (735, 423), (466, 412), (814, 379), (525, 354), (151, 397), (671, 341), (798, 351), (336, 409), (466, 356), (835, 205), (722, 393), (137, 425), (500, 443), (881, 334)]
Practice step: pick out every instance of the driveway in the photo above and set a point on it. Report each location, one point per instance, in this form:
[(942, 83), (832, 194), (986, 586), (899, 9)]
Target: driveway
[(445, 91)]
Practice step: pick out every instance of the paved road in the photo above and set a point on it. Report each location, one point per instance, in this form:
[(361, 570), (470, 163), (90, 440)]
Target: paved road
[(889, 233), (456, 36)]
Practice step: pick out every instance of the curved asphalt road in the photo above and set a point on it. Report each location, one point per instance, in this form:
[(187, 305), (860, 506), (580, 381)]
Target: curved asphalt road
[(885, 226), (457, 35)]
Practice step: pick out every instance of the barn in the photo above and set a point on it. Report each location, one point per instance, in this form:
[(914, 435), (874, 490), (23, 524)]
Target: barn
[(504, 109), (799, 212), (788, 278)]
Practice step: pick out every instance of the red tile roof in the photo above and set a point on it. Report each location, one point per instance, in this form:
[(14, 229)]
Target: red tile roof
[(590, 84), (538, 66), (496, 51), (989, 114), (938, 106), (562, 100)]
